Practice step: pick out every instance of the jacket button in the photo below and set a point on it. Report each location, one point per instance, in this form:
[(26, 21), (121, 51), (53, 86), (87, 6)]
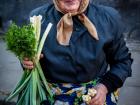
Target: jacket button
[(67, 57), (77, 29)]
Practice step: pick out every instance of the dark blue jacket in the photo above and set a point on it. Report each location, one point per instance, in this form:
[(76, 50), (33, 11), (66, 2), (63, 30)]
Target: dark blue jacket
[(85, 58)]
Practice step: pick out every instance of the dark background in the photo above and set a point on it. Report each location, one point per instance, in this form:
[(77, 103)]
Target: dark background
[(18, 11)]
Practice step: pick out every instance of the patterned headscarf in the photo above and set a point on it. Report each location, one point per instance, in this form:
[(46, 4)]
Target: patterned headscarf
[(65, 25)]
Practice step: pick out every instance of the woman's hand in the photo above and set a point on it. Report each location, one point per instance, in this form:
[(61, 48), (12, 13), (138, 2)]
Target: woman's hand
[(100, 97), (28, 64)]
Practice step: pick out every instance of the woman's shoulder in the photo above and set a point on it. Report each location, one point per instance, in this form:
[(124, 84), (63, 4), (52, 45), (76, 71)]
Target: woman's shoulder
[(41, 10), (106, 11), (108, 17)]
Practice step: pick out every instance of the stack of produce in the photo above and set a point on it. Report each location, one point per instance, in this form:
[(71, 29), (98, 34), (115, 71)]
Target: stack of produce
[(25, 42)]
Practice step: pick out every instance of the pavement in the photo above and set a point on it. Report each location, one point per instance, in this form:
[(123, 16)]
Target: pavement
[(130, 92), (11, 71)]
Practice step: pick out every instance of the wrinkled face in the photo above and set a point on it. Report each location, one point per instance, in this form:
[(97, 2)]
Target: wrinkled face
[(69, 5)]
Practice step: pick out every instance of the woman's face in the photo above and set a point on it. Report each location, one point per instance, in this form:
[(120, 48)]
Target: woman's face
[(69, 5)]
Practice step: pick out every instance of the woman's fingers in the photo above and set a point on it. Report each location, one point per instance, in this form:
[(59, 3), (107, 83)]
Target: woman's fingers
[(28, 67), (100, 97), (28, 64), (95, 99)]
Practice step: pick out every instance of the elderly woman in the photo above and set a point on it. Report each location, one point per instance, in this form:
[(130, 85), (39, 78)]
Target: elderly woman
[(84, 40)]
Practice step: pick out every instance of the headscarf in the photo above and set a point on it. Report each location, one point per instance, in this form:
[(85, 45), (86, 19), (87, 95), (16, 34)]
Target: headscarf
[(65, 25)]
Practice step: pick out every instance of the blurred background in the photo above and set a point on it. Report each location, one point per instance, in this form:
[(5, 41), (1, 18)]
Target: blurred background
[(18, 11)]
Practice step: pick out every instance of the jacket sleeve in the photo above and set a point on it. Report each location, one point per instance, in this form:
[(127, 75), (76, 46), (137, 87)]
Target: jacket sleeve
[(117, 54)]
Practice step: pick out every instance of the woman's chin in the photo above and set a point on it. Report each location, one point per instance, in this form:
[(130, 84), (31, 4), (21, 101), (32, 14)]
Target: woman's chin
[(71, 10)]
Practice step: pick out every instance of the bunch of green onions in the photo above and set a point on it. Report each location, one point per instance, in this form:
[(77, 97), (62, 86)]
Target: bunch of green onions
[(25, 41)]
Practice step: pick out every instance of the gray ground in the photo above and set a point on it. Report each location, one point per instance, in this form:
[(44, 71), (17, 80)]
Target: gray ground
[(10, 70), (130, 93)]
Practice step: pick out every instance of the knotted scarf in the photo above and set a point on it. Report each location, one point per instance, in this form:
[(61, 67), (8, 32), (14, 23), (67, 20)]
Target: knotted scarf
[(65, 25)]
